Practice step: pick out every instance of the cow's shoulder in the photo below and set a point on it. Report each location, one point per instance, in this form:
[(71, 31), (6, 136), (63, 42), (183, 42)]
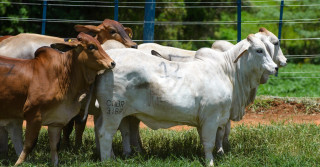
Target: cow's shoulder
[(44, 50)]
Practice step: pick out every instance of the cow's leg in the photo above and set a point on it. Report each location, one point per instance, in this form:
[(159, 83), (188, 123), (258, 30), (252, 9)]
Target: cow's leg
[(31, 136), (135, 139), (200, 134), (54, 138), (125, 133), (109, 127), (79, 128), (15, 133), (219, 139), (208, 133), (97, 126), (67, 131), (226, 135), (3, 142)]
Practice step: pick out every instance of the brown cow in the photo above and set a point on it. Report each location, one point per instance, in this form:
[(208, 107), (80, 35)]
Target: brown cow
[(28, 43), (46, 90)]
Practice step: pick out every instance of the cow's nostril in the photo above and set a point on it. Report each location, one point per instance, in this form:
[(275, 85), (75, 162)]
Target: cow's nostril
[(134, 46), (113, 64)]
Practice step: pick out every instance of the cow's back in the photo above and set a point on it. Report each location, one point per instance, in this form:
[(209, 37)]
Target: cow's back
[(15, 76), (162, 89), (24, 45)]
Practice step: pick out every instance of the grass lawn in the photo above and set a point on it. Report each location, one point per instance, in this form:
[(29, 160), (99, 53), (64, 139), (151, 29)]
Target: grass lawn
[(264, 145), (295, 84)]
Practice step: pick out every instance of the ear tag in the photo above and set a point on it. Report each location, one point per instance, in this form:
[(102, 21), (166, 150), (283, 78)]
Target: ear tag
[(70, 40), (130, 35)]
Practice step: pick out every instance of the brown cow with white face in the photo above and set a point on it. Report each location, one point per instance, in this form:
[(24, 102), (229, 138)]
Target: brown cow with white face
[(46, 90)]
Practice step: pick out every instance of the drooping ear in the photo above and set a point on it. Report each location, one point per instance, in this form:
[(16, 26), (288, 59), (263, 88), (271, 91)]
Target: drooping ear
[(88, 29), (64, 47), (236, 60), (128, 31)]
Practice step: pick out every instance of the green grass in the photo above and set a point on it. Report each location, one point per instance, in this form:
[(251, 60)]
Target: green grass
[(263, 145), (293, 87)]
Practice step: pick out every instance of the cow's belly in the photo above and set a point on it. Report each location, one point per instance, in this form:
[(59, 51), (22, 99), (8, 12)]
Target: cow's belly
[(155, 123), (6, 122), (60, 115)]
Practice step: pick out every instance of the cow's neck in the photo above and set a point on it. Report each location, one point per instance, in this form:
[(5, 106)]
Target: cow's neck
[(244, 79), (76, 78)]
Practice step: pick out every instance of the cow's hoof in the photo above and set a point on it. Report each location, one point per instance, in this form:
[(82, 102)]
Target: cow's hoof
[(220, 152)]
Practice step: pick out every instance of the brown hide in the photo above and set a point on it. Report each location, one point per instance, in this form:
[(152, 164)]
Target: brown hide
[(5, 37), (45, 90)]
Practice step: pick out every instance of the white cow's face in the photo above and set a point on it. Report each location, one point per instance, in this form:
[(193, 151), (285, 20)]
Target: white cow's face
[(273, 46), (261, 59)]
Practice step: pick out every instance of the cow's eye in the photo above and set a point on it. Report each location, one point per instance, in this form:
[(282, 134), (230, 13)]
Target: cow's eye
[(112, 32), (259, 51), (276, 43), (91, 47)]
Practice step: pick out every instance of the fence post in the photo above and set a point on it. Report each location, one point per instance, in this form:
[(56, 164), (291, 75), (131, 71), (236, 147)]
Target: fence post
[(116, 10), (280, 20), (148, 26), (239, 20), (44, 16)]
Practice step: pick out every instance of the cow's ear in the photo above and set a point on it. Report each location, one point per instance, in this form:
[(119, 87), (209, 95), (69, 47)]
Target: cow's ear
[(128, 31), (262, 29), (251, 38), (153, 52), (64, 47), (88, 29), (241, 54)]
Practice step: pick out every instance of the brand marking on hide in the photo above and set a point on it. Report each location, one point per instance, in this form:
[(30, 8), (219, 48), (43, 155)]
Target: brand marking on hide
[(11, 66), (168, 72), (115, 106)]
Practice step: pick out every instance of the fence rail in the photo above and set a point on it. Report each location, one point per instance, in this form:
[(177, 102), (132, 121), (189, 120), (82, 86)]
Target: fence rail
[(149, 19)]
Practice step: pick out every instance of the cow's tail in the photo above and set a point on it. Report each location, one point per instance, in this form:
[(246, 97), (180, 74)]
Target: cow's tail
[(86, 110)]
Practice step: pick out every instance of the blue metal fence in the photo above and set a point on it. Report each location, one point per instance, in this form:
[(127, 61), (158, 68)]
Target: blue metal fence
[(280, 20), (149, 17), (148, 26), (44, 16), (116, 10)]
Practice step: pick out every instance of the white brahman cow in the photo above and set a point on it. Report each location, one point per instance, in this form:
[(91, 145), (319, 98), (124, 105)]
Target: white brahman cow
[(176, 54), (273, 47), (204, 93)]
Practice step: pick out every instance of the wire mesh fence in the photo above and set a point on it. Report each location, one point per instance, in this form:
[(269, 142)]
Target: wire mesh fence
[(178, 5)]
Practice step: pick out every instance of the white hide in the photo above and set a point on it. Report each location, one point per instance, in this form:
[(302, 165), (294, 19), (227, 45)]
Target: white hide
[(272, 45), (167, 52), (28, 43), (221, 45), (11, 128), (163, 93)]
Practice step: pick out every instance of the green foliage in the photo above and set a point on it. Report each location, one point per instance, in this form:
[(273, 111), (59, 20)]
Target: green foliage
[(264, 145), (257, 11)]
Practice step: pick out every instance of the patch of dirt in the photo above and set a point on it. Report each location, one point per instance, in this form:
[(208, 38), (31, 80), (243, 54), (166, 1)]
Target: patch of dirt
[(266, 111)]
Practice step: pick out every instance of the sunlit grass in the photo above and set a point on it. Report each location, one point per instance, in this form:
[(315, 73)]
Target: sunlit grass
[(263, 145), (294, 84)]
